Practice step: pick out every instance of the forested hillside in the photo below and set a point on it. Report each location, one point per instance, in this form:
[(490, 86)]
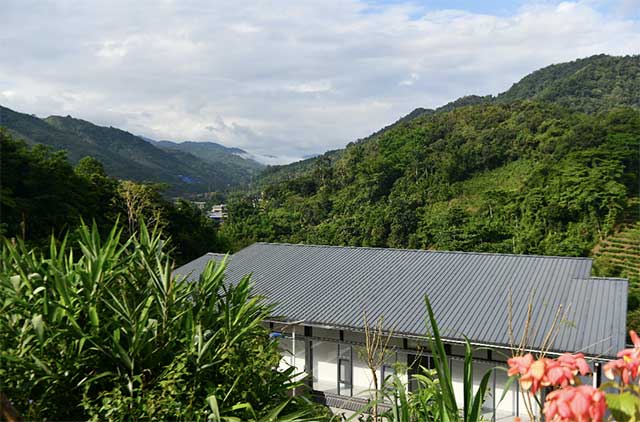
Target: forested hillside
[(524, 177), (235, 159), (127, 156), (593, 84), (42, 194)]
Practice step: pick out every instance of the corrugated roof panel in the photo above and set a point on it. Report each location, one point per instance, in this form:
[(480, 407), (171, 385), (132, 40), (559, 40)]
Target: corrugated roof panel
[(469, 291)]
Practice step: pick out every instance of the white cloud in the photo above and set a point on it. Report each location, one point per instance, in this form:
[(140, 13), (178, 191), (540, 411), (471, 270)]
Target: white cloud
[(280, 78), (311, 87)]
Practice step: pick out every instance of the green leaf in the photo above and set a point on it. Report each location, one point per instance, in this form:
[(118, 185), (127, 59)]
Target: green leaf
[(38, 325), (42, 365), (212, 401), (441, 363), (624, 407), (93, 316), (507, 388)]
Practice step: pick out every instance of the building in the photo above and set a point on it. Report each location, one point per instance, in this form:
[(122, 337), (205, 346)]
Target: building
[(218, 212), (321, 293)]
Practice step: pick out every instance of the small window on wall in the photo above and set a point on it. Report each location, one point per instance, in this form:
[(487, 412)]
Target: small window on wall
[(387, 371), (344, 370), (415, 363)]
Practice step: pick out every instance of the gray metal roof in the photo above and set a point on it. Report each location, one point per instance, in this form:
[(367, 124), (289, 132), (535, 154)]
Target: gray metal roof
[(469, 292), (194, 268)]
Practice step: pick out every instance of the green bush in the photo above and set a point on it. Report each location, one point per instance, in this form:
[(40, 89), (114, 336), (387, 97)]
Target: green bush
[(101, 330)]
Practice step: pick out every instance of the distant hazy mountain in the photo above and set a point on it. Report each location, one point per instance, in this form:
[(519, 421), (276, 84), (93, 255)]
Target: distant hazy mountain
[(128, 156), (214, 153)]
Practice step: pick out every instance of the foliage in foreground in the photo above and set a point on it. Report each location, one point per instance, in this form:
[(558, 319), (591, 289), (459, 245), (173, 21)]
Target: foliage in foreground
[(435, 399), (101, 330), (567, 399)]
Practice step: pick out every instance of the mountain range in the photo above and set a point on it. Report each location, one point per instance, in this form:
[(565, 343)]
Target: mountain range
[(590, 85), (549, 167), (185, 168)]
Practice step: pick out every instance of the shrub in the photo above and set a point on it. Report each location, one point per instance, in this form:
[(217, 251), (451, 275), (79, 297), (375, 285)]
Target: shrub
[(104, 331)]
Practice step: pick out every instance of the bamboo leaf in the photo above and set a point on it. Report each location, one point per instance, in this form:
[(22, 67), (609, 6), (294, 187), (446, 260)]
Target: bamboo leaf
[(93, 316), (38, 326)]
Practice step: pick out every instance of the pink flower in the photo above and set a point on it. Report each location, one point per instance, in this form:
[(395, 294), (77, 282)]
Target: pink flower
[(576, 363), (563, 370), (575, 404), (531, 371), (627, 366), (520, 364), (545, 372)]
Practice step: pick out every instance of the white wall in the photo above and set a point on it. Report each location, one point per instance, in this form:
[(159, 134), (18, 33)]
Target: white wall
[(325, 372), (362, 378), (325, 366), (457, 377), (509, 402), (288, 359)]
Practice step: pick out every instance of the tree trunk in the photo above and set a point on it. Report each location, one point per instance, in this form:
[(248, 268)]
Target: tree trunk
[(376, 394)]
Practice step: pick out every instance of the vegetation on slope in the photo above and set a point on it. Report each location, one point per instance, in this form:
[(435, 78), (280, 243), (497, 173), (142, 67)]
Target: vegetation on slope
[(591, 85), (524, 177), (619, 254), (127, 156), (521, 178), (42, 194)]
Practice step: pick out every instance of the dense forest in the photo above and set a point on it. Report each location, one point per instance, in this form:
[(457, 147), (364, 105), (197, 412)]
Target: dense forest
[(524, 177), (42, 194)]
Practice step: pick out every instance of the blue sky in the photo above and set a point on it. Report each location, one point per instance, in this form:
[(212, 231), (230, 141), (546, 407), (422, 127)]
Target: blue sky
[(285, 78)]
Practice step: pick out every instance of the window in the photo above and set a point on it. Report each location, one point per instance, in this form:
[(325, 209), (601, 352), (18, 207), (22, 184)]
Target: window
[(415, 363), (387, 371), (344, 370), (325, 356)]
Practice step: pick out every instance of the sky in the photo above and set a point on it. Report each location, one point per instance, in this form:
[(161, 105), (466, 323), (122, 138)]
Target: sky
[(285, 79)]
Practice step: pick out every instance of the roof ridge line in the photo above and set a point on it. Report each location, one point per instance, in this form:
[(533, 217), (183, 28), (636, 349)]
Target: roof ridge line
[(600, 278), (580, 258)]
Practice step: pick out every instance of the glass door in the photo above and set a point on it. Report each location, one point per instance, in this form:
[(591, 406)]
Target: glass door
[(344, 370)]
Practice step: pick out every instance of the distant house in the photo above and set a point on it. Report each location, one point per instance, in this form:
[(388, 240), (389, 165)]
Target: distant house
[(321, 293), (218, 212)]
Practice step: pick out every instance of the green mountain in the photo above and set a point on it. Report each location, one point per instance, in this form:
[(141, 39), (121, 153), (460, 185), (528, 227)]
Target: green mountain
[(128, 156), (504, 174), (591, 85), (215, 154), (594, 84), (524, 177)]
